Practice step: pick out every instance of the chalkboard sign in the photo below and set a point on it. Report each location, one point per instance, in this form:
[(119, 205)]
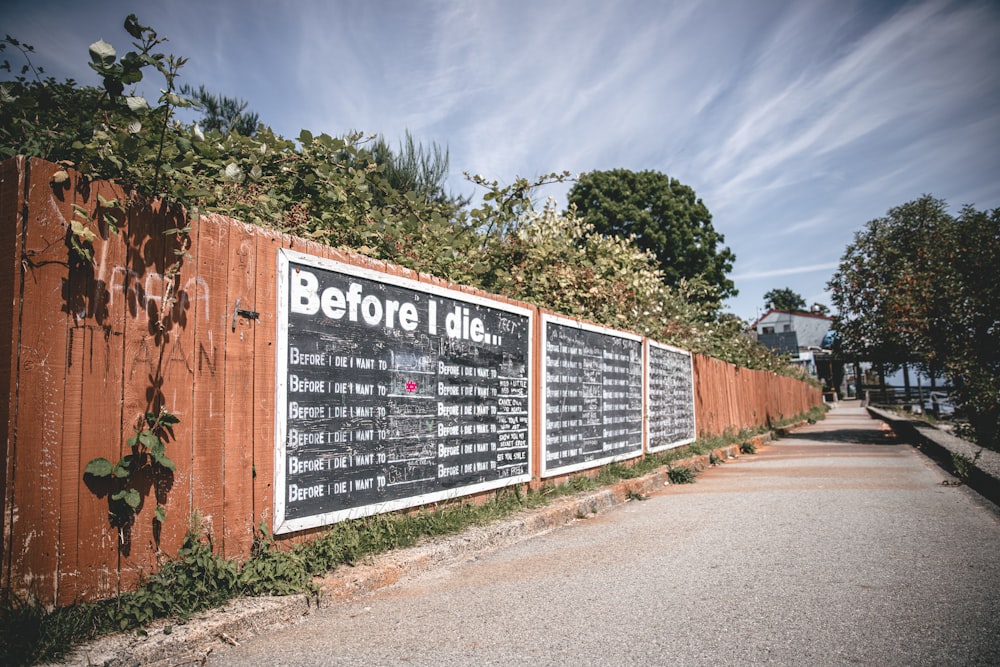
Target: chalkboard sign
[(592, 382), (669, 397), (392, 393)]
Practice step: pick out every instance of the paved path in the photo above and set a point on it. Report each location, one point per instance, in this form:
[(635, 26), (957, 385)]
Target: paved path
[(833, 545)]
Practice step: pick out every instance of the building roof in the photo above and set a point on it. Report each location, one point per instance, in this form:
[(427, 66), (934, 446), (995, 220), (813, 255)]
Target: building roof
[(796, 313)]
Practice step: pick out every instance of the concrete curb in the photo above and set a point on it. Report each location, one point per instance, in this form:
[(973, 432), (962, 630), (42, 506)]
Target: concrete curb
[(983, 464), (168, 643)]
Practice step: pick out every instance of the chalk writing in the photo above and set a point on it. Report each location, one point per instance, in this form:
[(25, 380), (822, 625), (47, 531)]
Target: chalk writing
[(393, 394), (593, 396)]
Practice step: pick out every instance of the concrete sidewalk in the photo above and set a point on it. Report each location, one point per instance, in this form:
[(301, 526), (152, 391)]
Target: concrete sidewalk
[(812, 474)]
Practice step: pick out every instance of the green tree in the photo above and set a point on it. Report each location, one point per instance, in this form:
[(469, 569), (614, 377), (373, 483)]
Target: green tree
[(413, 168), (922, 285), (665, 217), (784, 299), (222, 114)]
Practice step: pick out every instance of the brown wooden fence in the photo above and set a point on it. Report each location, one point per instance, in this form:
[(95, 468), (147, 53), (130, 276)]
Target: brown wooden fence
[(730, 398), (85, 351)]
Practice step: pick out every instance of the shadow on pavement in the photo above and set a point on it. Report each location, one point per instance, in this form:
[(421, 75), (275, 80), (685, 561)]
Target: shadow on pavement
[(861, 436)]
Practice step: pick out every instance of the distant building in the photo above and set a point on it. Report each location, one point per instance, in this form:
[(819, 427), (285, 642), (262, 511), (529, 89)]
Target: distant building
[(804, 336)]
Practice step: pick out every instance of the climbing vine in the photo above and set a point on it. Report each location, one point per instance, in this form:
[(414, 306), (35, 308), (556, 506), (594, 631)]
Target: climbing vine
[(115, 133), (145, 465)]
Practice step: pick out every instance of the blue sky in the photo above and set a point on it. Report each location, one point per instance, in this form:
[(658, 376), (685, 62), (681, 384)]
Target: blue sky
[(795, 122)]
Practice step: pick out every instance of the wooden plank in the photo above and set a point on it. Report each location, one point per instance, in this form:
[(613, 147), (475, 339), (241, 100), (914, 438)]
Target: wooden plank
[(12, 185), (265, 340), (85, 408), (705, 415), (38, 411), (97, 359), (239, 382), (67, 580), (177, 376), (141, 391), (206, 296)]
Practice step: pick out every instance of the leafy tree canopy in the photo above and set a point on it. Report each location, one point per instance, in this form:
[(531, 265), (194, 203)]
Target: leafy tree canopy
[(922, 285), (784, 299), (665, 217)]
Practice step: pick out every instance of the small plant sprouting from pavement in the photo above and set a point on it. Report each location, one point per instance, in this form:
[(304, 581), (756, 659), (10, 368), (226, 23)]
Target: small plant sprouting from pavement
[(747, 447), (680, 475), (963, 465), (714, 459)]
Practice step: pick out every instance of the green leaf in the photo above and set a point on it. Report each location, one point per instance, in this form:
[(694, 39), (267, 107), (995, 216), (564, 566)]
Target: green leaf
[(123, 468), (149, 440), (102, 53), (132, 498), (99, 467), (111, 221), (133, 27), (160, 513), (131, 69), (233, 173), (82, 233), (136, 103), (162, 459)]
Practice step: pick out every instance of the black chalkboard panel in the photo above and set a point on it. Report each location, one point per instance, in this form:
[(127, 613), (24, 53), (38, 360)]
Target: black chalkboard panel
[(592, 381), (669, 397), (392, 393)]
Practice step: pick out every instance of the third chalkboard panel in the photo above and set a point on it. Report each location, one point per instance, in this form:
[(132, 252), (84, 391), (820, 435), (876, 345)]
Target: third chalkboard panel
[(592, 384), (669, 398)]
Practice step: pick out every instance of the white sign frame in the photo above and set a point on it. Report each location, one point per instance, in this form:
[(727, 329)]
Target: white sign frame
[(281, 524), (548, 318), (648, 398)]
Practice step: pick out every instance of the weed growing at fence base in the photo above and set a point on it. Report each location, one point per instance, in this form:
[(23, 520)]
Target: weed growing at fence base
[(681, 475), (964, 465)]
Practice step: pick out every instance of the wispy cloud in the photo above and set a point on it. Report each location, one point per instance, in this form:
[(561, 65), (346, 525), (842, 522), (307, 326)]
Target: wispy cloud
[(785, 271)]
